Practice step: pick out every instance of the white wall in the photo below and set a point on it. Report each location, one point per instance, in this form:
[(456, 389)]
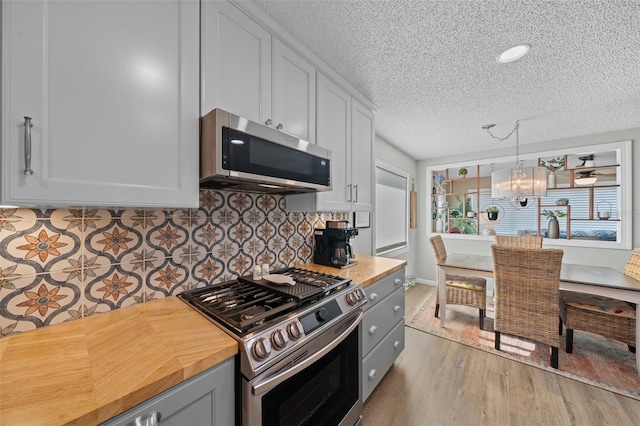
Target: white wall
[(393, 156), (615, 259)]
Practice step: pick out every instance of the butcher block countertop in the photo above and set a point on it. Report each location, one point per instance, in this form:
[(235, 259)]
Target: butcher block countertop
[(89, 370), (368, 270)]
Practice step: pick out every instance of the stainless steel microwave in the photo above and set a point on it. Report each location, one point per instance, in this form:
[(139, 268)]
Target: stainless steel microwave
[(238, 154)]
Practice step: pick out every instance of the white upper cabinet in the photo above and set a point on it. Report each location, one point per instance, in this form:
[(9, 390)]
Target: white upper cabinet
[(334, 130), (236, 62), (111, 89), (294, 93), (249, 73), (362, 164), (346, 128)]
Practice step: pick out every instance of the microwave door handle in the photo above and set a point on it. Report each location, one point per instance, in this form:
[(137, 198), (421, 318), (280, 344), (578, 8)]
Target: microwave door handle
[(274, 381)]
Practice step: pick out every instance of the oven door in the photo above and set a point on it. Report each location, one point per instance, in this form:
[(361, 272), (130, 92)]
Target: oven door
[(319, 384)]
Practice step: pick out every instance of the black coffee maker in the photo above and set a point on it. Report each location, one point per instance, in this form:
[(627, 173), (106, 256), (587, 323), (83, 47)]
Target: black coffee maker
[(332, 246)]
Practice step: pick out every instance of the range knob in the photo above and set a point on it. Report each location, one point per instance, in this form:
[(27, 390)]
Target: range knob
[(352, 298), (322, 314), (294, 331), (279, 339), (260, 349)]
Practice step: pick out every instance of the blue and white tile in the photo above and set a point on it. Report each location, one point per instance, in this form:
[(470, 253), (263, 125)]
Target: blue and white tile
[(115, 286), (42, 246)]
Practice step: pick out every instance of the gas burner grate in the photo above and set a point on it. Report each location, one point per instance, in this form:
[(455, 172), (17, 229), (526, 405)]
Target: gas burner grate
[(245, 304)]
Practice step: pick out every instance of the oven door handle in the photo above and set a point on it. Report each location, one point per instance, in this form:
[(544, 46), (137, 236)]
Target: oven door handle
[(274, 381)]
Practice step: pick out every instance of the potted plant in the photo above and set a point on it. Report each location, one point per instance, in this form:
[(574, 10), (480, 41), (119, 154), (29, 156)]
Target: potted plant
[(562, 202), (462, 172), (552, 165), (468, 207), (588, 160), (439, 179), (492, 212), (553, 230)]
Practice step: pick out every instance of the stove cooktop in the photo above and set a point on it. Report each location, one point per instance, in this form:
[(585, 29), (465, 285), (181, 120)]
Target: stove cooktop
[(245, 305)]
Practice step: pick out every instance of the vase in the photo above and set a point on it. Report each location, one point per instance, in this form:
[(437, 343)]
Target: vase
[(551, 180), (554, 228), (439, 226), (492, 215), (590, 163)]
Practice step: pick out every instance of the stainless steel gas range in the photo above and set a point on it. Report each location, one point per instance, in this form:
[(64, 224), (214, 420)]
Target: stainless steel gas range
[(300, 355)]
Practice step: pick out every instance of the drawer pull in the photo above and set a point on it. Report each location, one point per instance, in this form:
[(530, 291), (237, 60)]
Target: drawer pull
[(372, 374), (396, 344), (27, 146), (397, 281), (373, 296), (373, 329), (150, 419), (396, 308)]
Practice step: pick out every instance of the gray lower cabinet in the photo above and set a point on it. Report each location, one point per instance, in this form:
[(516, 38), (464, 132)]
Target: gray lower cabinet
[(206, 399), (382, 329)]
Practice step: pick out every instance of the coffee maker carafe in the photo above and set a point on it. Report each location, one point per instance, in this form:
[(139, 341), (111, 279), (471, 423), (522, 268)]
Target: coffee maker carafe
[(332, 246)]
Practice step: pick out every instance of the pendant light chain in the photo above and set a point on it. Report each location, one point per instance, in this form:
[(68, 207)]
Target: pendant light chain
[(516, 129)]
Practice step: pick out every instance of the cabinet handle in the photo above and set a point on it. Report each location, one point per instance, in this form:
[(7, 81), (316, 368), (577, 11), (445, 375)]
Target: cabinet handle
[(350, 190), (372, 374), (356, 187), (373, 296), (269, 122), (27, 146), (150, 419), (280, 126), (397, 281), (396, 344), (373, 329), (396, 308)]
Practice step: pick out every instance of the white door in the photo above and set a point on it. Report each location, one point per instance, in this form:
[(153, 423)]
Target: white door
[(333, 132), (362, 166), (236, 62), (112, 92), (294, 93)]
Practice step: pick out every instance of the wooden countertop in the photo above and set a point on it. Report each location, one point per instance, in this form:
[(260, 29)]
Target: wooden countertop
[(368, 270), (89, 370)]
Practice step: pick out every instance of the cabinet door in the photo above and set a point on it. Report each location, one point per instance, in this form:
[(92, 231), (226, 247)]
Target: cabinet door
[(362, 168), (333, 132), (236, 62), (206, 399), (112, 91), (294, 93)]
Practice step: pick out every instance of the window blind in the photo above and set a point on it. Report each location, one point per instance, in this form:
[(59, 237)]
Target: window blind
[(392, 219), (525, 219)]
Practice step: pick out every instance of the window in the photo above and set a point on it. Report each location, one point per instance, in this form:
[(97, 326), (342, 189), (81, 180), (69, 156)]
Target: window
[(592, 195), (392, 208)]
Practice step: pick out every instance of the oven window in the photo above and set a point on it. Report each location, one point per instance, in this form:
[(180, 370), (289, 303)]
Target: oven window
[(321, 394)]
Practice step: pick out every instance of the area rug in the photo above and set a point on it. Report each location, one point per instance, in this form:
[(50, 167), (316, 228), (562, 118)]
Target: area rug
[(595, 360)]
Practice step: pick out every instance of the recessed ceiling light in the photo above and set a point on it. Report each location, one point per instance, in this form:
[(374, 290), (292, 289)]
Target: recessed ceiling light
[(514, 53)]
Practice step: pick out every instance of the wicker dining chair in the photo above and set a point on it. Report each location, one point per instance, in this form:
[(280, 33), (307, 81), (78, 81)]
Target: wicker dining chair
[(461, 290), (527, 290), (522, 241), (612, 318)]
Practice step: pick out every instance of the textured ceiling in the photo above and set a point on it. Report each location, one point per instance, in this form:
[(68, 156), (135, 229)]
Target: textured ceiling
[(430, 66)]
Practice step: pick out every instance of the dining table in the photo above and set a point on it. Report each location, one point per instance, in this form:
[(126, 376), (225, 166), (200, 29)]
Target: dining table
[(590, 279)]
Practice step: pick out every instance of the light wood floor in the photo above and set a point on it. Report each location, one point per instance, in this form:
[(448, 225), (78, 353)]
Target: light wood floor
[(438, 382)]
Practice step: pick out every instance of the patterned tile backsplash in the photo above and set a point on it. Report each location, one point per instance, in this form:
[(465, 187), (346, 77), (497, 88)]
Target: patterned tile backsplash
[(62, 264)]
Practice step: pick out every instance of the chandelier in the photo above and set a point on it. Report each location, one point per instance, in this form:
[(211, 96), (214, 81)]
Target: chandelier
[(519, 183)]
